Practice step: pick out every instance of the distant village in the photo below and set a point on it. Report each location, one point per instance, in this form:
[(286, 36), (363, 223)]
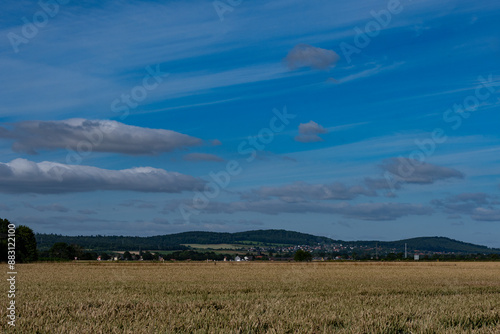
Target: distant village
[(319, 252)]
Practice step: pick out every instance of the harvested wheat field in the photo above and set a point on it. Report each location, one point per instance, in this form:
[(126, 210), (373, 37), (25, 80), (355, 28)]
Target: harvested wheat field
[(257, 298)]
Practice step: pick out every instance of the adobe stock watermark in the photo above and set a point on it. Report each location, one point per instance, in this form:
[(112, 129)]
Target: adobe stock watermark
[(11, 272), (29, 30), (371, 29), (248, 148), (122, 106), (454, 118), (221, 7)]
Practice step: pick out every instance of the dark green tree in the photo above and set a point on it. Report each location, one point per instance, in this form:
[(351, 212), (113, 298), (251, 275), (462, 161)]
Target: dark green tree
[(127, 256), (147, 256), (25, 245), (25, 242), (391, 257), (88, 256), (302, 255), (4, 223), (62, 251)]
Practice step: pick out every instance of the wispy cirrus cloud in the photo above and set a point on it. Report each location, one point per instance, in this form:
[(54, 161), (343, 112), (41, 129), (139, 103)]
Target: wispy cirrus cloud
[(99, 135), (24, 176), (371, 70)]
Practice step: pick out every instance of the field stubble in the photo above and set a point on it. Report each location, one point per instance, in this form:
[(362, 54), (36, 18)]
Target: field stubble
[(256, 297)]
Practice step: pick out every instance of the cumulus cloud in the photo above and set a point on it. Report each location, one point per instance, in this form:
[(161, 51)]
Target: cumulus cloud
[(94, 135), (24, 176), (479, 206), (412, 171), (302, 191), (304, 55), (308, 132), (202, 157)]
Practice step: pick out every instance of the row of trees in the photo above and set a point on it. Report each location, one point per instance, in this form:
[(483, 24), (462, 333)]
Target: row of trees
[(427, 257), (61, 251), (302, 255)]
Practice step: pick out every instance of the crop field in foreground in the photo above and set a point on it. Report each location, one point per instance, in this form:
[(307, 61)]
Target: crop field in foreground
[(256, 297)]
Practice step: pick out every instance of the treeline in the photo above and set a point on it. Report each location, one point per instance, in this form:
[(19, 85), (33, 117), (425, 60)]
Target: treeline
[(62, 251), (427, 244), (111, 243), (400, 257), (196, 256)]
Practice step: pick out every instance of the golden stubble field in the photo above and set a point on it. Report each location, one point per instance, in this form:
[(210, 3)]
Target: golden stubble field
[(257, 298)]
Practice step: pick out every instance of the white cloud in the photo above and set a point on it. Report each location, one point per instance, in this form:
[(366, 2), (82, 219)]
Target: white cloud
[(94, 135), (24, 176), (308, 132)]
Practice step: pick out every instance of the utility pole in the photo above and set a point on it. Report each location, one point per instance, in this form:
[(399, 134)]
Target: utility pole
[(406, 251)]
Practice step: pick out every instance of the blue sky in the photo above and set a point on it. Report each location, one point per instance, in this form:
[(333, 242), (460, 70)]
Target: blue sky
[(353, 120)]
